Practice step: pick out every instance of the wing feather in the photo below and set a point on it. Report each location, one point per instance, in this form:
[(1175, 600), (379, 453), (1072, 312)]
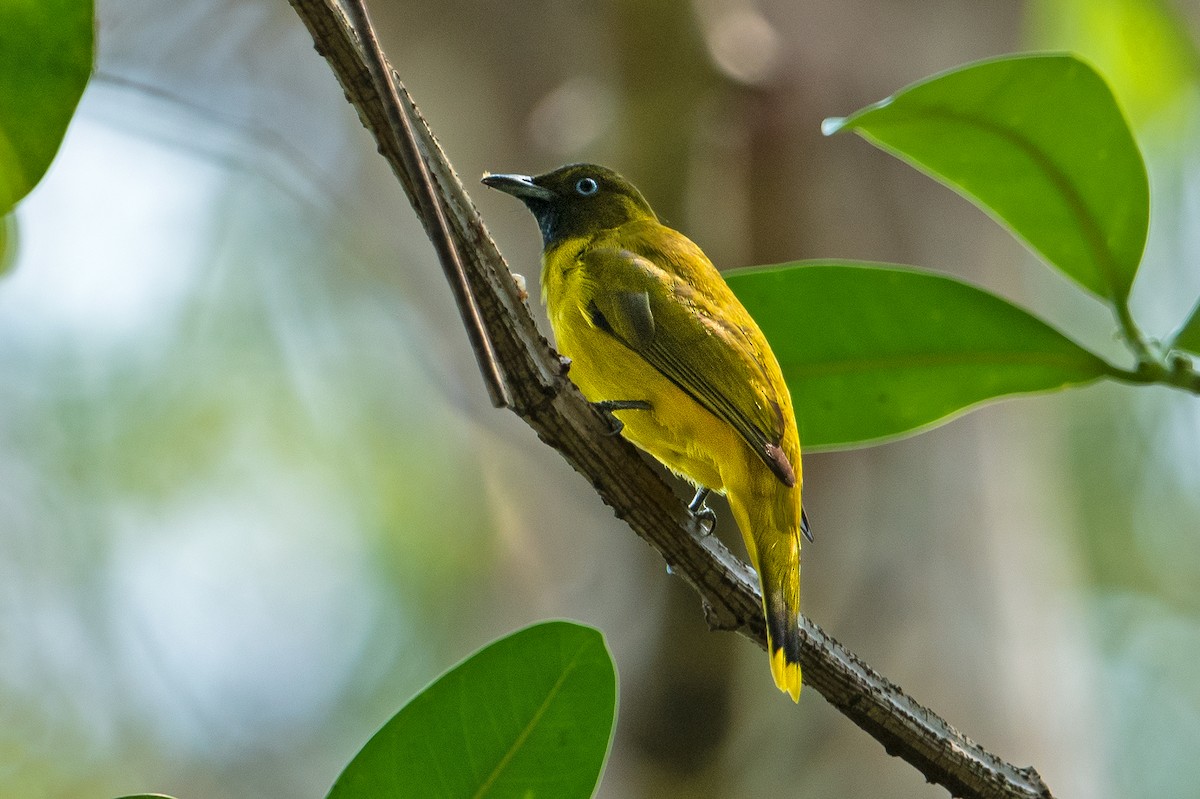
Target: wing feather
[(686, 336)]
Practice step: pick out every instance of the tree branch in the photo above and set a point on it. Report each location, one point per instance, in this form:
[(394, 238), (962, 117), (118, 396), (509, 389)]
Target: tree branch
[(537, 389)]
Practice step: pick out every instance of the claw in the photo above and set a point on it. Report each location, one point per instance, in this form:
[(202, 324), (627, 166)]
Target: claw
[(608, 406), (702, 512)]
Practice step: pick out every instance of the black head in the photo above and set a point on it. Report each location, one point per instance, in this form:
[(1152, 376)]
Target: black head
[(575, 200)]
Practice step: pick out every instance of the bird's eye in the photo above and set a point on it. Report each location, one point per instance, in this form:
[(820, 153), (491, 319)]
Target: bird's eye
[(587, 186)]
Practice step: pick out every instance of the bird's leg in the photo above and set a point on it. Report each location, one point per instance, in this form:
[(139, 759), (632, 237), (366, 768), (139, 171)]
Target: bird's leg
[(702, 512), (608, 406)]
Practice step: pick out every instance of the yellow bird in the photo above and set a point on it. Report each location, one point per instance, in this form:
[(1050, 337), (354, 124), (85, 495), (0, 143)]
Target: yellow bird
[(655, 335)]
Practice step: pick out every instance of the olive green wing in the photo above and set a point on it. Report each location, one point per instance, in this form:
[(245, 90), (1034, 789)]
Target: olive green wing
[(688, 337)]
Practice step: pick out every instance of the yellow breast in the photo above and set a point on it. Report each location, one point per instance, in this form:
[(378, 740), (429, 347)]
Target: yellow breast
[(677, 430)]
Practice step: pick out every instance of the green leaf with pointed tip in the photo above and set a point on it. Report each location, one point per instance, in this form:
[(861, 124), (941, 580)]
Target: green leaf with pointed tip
[(528, 715), (1188, 337), (871, 352), (45, 61), (1039, 143)]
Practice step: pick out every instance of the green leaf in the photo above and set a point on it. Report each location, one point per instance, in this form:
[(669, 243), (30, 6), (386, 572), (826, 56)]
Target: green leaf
[(1188, 337), (45, 61), (530, 715), (148, 796), (874, 351), (1039, 143)]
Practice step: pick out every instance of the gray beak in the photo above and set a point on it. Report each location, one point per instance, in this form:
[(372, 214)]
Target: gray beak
[(521, 186)]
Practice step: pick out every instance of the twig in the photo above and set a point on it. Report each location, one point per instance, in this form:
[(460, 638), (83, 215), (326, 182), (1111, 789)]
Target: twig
[(1155, 364), (399, 125), (554, 408)]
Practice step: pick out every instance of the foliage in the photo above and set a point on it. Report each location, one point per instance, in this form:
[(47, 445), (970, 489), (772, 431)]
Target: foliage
[(894, 349), (1188, 337), (45, 61), (1037, 141), (530, 714)]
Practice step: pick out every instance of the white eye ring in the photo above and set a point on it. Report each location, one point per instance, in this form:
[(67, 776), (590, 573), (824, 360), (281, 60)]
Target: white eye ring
[(587, 186)]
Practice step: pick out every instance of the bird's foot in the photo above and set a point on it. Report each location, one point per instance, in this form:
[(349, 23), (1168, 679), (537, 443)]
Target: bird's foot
[(608, 406), (702, 512)]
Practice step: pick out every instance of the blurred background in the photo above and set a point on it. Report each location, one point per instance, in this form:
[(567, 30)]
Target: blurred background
[(253, 496)]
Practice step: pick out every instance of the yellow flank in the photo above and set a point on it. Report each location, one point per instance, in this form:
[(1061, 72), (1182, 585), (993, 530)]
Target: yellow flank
[(643, 315), (676, 430)]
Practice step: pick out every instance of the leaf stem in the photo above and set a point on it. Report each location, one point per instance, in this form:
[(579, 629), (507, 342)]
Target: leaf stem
[(1153, 368), (1132, 333), (1178, 373)]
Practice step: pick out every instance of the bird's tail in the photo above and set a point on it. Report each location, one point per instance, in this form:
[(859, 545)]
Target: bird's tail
[(779, 576), (775, 553)]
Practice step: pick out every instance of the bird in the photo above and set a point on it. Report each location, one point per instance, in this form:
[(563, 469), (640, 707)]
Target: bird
[(656, 338)]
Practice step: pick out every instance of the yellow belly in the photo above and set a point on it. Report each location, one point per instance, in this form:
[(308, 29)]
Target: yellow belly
[(677, 430)]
